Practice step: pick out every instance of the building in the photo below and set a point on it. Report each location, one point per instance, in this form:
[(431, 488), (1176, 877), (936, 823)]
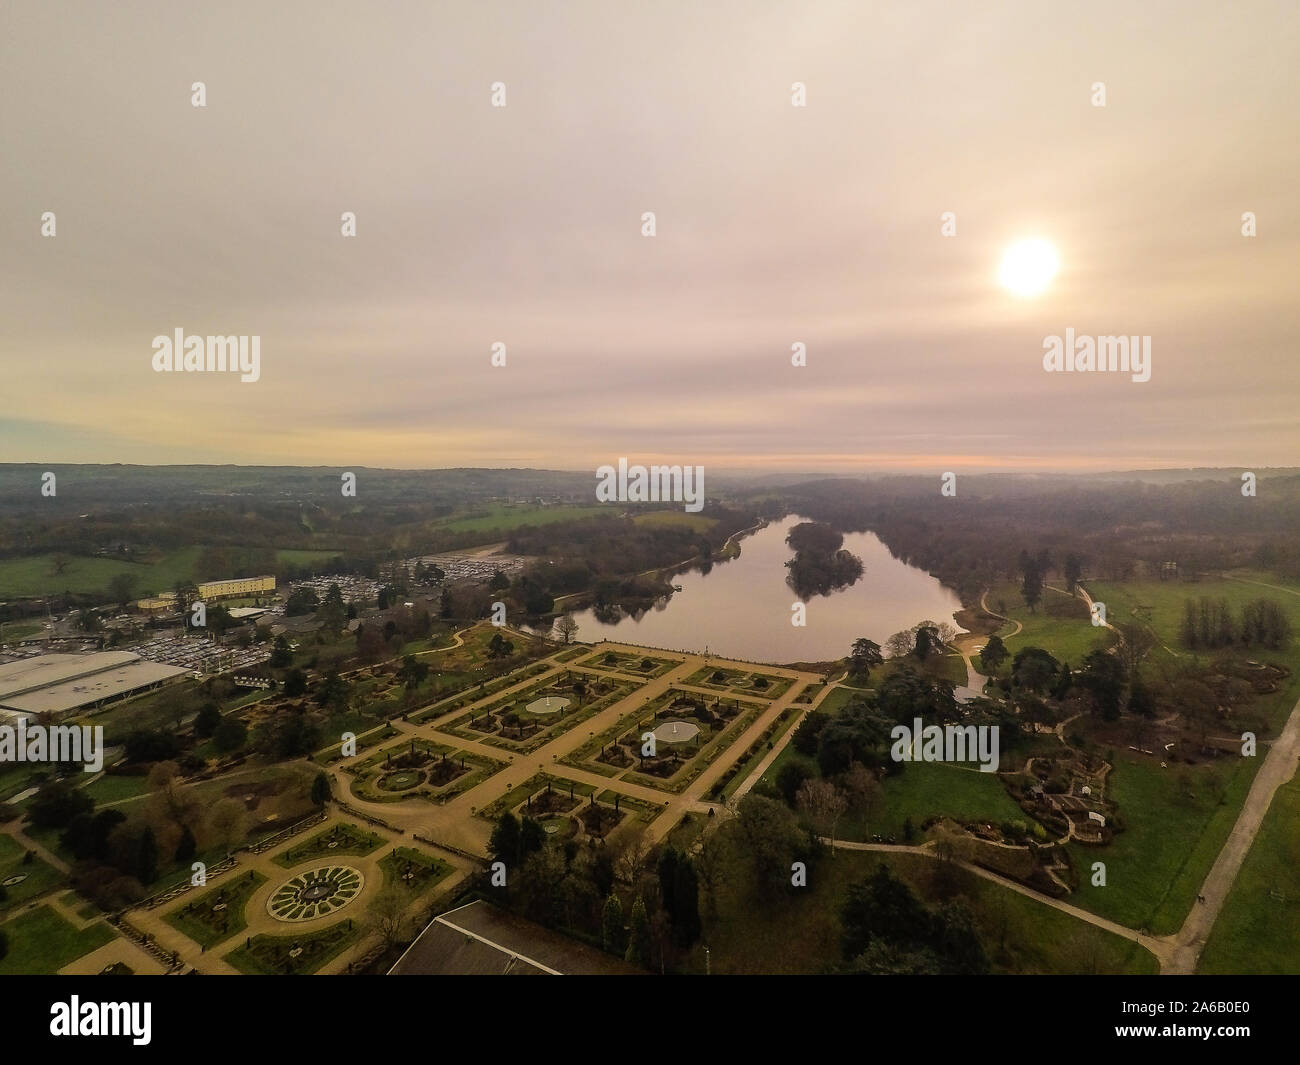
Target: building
[(58, 684), (480, 940), (158, 604), (237, 586)]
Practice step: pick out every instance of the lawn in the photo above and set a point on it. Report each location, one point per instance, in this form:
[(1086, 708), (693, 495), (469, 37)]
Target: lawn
[(502, 517), (41, 942), (801, 933), (1258, 930), (1068, 637), (1155, 867), (40, 875), (111, 788), (924, 789)]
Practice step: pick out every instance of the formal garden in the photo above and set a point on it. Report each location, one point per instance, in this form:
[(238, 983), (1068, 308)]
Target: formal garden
[(217, 914), (541, 712), (413, 870), (750, 682), (331, 842), (300, 954), (419, 768), (634, 664), (689, 730)]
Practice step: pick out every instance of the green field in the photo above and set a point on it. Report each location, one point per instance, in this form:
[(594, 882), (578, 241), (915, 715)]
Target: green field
[(502, 517), (34, 575), (696, 522), (1068, 638), (111, 788), (1258, 930), (801, 934), (41, 942), (923, 789), (1157, 864)]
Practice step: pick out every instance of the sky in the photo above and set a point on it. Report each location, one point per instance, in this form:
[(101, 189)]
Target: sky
[(774, 225)]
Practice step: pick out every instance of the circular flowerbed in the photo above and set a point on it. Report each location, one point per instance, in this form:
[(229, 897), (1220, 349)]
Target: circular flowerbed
[(315, 893), (400, 780)]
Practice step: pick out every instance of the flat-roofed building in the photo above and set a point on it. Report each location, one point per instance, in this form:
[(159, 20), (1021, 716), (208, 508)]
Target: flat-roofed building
[(58, 684), (236, 586)]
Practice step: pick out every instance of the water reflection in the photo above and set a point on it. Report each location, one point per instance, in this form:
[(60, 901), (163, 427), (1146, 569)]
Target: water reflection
[(742, 608)]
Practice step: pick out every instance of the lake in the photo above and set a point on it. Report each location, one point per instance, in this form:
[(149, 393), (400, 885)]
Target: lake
[(741, 608)]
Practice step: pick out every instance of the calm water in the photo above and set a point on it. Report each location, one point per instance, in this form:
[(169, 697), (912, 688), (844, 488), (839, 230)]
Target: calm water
[(741, 608)]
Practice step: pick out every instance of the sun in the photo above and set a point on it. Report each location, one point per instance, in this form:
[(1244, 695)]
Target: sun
[(1028, 267)]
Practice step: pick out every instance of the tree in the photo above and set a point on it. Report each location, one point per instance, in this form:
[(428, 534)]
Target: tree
[(862, 789), (532, 837), (901, 644), (770, 838), (281, 654), (504, 842), (993, 654), (1103, 678), (1073, 572), (638, 940), (413, 672), (567, 627), (1033, 668), (207, 720), (387, 916), (229, 736), (865, 656), (823, 804), (1136, 642), (295, 684), (187, 846), (121, 587), (332, 611), (228, 822), (927, 640), (332, 694), (613, 936), (882, 906), (320, 788), (1031, 587), (686, 903), (146, 857), (792, 776), (56, 804)]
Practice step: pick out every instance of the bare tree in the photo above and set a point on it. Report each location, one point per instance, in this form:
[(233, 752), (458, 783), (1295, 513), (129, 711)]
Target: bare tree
[(566, 627), (387, 916), (228, 822), (632, 848), (823, 804)]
